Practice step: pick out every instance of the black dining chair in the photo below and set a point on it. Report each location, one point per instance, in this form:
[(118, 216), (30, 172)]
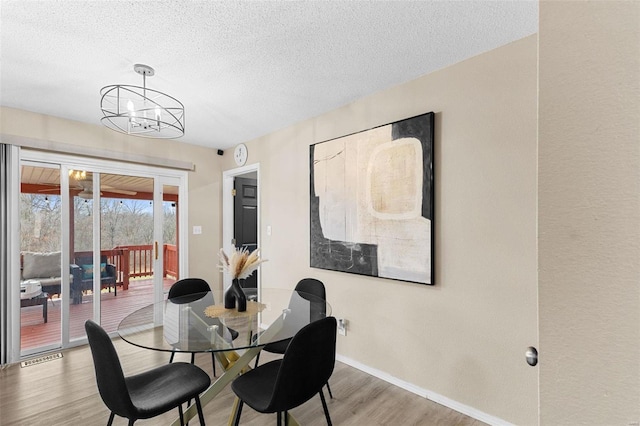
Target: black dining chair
[(180, 292), (187, 287), (305, 286), (281, 385), (144, 395)]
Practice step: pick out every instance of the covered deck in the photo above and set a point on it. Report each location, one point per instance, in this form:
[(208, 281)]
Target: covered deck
[(126, 217), (135, 290)]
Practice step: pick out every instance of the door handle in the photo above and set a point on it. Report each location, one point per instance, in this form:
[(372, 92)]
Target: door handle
[(156, 246), (531, 355)]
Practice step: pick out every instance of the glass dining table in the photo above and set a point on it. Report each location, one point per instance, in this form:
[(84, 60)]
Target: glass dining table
[(200, 323)]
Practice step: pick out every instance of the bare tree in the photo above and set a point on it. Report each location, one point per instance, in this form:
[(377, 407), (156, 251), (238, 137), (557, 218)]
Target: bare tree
[(82, 224), (40, 222), (122, 222)]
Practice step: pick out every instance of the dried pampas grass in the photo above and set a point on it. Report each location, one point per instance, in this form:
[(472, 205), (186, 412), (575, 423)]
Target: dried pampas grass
[(240, 263)]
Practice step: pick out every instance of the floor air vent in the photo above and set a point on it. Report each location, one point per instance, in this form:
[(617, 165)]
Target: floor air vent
[(40, 360)]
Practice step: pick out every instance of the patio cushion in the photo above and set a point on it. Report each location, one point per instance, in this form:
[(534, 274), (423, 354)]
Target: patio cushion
[(53, 281), (41, 265), (87, 271)]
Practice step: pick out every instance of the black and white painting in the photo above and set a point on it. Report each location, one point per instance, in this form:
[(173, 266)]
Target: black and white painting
[(371, 202)]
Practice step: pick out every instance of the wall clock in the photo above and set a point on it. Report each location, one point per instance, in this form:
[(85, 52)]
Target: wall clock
[(240, 154)]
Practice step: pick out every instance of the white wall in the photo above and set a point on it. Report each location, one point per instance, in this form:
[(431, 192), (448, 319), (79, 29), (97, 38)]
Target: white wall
[(464, 338)]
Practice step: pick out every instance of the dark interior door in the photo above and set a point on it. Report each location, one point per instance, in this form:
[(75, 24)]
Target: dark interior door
[(245, 219)]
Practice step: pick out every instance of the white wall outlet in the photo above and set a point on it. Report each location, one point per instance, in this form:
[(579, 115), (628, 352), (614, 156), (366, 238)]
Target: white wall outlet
[(197, 230), (342, 326)]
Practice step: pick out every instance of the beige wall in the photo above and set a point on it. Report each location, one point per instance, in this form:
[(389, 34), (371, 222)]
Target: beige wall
[(464, 338), (589, 213), (204, 182)]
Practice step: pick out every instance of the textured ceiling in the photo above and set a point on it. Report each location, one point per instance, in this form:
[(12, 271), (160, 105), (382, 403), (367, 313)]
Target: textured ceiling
[(242, 69)]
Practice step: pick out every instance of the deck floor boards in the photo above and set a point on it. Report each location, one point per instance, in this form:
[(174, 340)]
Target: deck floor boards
[(34, 333)]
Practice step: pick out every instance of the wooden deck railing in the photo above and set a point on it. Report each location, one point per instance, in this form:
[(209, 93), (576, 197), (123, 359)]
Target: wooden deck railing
[(134, 261), (170, 261), (140, 260)]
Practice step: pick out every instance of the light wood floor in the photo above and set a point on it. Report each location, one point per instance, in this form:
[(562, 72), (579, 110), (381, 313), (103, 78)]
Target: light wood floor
[(63, 392)]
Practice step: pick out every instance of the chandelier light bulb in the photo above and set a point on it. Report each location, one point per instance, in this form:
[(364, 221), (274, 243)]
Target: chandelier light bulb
[(77, 174)]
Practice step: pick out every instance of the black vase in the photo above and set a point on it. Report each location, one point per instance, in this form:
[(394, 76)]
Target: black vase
[(235, 295)]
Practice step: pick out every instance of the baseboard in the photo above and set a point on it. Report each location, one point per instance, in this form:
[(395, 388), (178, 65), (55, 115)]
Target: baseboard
[(432, 396)]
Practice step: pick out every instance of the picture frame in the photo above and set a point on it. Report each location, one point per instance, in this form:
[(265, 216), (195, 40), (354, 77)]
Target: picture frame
[(372, 202)]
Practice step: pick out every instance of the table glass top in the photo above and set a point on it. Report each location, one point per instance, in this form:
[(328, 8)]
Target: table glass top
[(200, 323)]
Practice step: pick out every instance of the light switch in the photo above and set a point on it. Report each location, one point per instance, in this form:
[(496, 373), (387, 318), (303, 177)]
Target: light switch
[(197, 230), (269, 230)]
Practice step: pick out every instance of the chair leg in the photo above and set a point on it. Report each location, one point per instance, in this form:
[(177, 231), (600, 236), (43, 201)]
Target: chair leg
[(171, 359), (200, 413), (193, 361), (286, 418), (258, 358), (329, 389), (110, 422), (324, 407), (181, 415), (237, 421), (131, 422), (213, 361), (279, 418)]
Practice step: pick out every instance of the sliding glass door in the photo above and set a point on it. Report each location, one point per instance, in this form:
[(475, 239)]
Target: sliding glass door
[(170, 233), (41, 286), (82, 223), (116, 237), (126, 246)]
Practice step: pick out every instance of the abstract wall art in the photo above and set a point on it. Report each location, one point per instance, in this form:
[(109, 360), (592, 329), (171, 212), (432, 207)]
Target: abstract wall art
[(372, 202)]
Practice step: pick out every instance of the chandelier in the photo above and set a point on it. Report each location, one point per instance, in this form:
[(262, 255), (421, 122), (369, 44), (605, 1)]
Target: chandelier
[(139, 111), (77, 174)]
